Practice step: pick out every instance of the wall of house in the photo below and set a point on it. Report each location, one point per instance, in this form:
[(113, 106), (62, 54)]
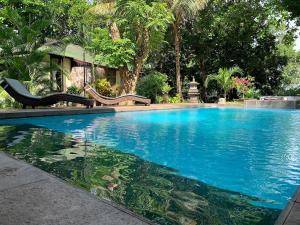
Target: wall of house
[(67, 71), (76, 76), (118, 77)]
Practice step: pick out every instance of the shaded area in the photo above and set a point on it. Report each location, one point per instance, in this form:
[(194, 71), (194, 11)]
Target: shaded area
[(148, 189)]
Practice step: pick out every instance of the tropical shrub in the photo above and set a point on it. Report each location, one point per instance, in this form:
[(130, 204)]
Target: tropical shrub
[(159, 99), (243, 85), (175, 99), (74, 90), (224, 78), (103, 87), (153, 85), (7, 102), (252, 92)]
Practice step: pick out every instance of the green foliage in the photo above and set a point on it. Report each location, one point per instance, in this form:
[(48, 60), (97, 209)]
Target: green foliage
[(153, 85), (143, 23), (7, 102), (252, 92), (257, 36), (290, 83), (103, 87), (160, 99), (224, 78), (68, 19), (243, 33), (292, 6), (175, 99), (21, 34), (118, 53), (243, 85), (74, 90)]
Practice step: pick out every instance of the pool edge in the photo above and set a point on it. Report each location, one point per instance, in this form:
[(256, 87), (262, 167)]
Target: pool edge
[(23, 113), (11, 163), (290, 215)]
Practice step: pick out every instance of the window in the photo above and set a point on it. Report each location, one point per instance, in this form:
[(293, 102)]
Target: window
[(57, 80), (111, 76)]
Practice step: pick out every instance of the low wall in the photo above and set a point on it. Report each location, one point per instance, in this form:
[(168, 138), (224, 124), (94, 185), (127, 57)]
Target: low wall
[(273, 104)]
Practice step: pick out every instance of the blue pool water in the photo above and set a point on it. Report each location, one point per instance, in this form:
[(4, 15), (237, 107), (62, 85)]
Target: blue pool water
[(254, 152)]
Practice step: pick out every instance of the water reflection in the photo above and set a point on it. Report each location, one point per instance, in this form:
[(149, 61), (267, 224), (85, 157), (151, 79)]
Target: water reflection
[(255, 152), (148, 189)]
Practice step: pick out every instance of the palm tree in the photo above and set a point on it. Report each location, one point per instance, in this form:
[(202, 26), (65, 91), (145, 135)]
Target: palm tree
[(107, 9), (182, 10), (223, 78)]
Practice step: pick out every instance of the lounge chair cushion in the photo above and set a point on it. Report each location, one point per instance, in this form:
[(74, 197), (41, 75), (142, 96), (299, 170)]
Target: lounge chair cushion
[(20, 88)]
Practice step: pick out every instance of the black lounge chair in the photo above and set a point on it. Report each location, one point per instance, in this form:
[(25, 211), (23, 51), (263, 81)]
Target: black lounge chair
[(19, 92)]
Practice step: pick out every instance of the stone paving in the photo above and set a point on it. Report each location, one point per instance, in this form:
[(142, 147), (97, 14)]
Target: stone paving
[(291, 214), (30, 196)]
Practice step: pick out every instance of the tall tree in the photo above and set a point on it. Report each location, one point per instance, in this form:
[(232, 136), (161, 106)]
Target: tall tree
[(106, 9), (182, 10), (142, 27), (67, 18), (244, 33), (292, 6), (145, 25), (22, 27)]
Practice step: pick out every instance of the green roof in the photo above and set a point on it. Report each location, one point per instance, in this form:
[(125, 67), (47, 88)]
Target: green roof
[(68, 50)]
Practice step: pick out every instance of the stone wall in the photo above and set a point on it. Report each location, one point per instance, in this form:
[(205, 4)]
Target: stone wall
[(273, 104)]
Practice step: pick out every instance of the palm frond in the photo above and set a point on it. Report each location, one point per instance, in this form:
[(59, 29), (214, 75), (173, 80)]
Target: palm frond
[(210, 78), (186, 8), (103, 9)]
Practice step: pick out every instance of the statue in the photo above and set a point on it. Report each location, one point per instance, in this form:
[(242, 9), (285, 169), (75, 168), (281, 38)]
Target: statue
[(193, 92)]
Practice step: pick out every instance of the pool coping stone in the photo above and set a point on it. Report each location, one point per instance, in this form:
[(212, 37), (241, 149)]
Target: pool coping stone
[(51, 111), (291, 214), (29, 195)]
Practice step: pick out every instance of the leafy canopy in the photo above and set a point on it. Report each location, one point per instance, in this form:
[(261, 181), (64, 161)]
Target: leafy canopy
[(144, 24), (118, 53)]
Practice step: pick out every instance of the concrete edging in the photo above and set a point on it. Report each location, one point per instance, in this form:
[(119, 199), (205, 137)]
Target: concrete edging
[(29, 195)]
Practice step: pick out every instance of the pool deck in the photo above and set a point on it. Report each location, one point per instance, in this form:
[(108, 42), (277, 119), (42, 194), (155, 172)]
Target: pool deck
[(291, 214), (31, 196), (19, 113)]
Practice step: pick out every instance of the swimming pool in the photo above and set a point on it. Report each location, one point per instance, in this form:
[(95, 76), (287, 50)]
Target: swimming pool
[(249, 157)]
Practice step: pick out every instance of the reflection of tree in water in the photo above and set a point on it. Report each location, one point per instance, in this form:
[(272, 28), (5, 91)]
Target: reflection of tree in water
[(153, 191)]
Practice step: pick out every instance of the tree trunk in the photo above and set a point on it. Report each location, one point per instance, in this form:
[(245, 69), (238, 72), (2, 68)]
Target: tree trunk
[(177, 55), (115, 32), (203, 79), (130, 78)]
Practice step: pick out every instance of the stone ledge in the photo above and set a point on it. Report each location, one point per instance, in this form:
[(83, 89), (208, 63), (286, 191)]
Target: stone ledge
[(29, 195)]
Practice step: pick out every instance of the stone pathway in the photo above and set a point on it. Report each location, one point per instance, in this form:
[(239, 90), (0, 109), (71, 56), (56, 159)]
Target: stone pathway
[(33, 197), (291, 214)]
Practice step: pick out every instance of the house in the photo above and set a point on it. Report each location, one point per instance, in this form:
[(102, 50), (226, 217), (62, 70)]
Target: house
[(75, 66)]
